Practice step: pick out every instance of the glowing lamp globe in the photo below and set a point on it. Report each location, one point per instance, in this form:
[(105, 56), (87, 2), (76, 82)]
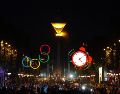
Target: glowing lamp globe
[(79, 59), (58, 28)]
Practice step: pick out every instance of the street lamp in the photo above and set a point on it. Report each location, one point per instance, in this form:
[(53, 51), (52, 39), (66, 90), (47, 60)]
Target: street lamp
[(58, 28)]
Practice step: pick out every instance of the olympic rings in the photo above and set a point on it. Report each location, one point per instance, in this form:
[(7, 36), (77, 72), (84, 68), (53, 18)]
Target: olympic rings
[(37, 65), (44, 53), (41, 47), (31, 62), (27, 59), (43, 60), (70, 54)]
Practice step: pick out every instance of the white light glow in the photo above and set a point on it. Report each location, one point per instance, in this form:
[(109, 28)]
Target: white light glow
[(71, 75), (8, 74), (83, 87), (91, 90), (100, 74), (79, 59)]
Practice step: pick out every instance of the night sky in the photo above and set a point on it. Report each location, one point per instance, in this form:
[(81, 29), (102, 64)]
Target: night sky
[(27, 24)]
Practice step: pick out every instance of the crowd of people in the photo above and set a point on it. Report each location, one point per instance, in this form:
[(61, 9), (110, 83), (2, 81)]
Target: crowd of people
[(106, 89), (42, 89), (47, 88)]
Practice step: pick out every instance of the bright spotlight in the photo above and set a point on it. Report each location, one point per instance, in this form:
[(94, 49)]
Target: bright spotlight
[(8, 74), (71, 75), (83, 87), (91, 90)]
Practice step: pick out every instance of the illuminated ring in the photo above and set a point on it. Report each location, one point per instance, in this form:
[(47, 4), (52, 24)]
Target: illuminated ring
[(43, 60), (85, 67), (70, 54), (37, 66), (24, 60), (44, 46), (88, 66)]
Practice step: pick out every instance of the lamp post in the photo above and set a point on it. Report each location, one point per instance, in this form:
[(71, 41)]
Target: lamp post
[(58, 28)]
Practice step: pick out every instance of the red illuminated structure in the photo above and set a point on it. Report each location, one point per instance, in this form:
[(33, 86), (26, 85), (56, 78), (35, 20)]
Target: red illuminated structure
[(81, 58)]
